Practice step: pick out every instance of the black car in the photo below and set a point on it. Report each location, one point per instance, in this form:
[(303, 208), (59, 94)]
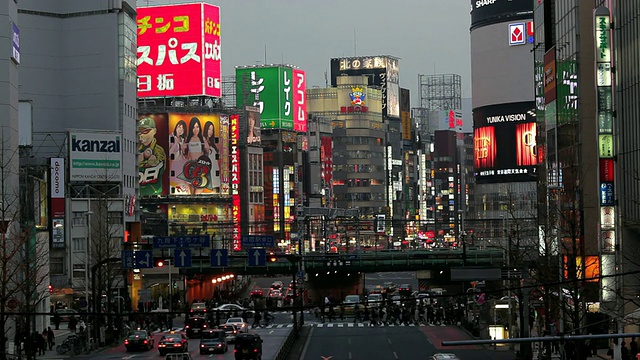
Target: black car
[(405, 290), (195, 326), (213, 341), (173, 343), (139, 340), (248, 346)]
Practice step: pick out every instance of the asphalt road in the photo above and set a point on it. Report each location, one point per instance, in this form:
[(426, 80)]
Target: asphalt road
[(402, 343), (398, 277), (272, 341)]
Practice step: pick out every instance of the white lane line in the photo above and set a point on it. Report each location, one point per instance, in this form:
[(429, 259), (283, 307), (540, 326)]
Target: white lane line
[(349, 355), (389, 340), (349, 341), (270, 332), (395, 355), (306, 344)]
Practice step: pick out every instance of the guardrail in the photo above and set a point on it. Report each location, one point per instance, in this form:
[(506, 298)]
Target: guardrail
[(364, 261), (286, 347)]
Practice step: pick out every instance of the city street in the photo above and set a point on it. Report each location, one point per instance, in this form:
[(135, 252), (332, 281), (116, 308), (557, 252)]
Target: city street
[(272, 341), (399, 342)]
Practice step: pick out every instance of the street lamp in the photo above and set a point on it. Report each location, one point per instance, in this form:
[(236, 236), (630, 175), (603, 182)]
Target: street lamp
[(86, 270)]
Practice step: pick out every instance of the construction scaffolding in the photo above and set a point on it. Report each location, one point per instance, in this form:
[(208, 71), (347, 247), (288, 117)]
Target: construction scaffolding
[(440, 92)]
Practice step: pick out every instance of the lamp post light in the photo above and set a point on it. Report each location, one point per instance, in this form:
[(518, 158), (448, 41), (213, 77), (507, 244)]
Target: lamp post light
[(86, 270)]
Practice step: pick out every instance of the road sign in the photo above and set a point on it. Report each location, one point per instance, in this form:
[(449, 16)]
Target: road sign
[(300, 274), (182, 258), (143, 259), (257, 257), (219, 257), (178, 242), (300, 281), (258, 241), (127, 259)]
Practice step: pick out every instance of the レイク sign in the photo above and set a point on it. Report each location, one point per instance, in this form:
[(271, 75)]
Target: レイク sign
[(95, 156), (179, 50)]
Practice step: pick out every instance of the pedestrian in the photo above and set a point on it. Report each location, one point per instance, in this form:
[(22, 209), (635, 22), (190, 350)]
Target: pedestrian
[(633, 348), (51, 338), (81, 325), (56, 320), (39, 343), (356, 313), (624, 352), (341, 313), (256, 319), (332, 313)]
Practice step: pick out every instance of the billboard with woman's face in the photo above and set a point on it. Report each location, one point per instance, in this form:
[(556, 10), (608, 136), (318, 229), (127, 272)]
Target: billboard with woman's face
[(196, 145), (152, 154), (253, 125)]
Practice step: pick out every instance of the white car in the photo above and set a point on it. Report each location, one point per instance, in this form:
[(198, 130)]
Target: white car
[(374, 300), (234, 308), (444, 356), (239, 324)]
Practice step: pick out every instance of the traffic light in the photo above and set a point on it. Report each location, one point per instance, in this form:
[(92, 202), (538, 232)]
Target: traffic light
[(50, 289), (159, 263)]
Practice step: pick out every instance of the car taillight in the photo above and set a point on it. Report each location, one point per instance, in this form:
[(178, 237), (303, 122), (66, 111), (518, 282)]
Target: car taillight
[(146, 341), (255, 350), (235, 351), (201, 345), (126, 342), (235, 331), (186, 327)]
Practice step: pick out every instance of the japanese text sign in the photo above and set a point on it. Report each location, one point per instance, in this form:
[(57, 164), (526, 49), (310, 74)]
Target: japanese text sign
[(179, 50), (274, 91), (299, 101)]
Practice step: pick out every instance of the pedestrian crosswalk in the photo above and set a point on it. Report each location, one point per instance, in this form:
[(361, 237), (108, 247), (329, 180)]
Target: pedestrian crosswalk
[(348, 325)]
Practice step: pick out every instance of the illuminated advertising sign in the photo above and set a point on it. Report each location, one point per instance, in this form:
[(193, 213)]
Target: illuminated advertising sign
[(270, 89), (95, 156), (224, 154), (606, 170), (405, 113), (253, 125), (521, 33), (549, 76), (383, 71), (505, 148), (485, 12), (153, 164), (299, 101), (567, 91), (15, 44), (179, 50), (606, 194), (56, 190), (194, 155), (605, 146), (234, 130)]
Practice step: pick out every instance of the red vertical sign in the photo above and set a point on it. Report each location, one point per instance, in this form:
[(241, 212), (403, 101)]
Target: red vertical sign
[(235, 180), (299, 101)]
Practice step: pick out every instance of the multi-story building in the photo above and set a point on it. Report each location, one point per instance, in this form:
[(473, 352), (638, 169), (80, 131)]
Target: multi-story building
[(504, 202), (78, 94), (359, 146)]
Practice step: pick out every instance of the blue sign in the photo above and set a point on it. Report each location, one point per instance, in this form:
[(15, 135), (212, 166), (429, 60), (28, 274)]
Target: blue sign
[(182, 258), (257, 257), (143, 259), (258, 241), (15, 44), (607, 197), (219, 257), (127, 259), (178, 242)]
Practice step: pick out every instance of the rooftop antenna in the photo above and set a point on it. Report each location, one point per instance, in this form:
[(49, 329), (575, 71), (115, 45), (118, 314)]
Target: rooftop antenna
[(265, 54), (355, 43), (326, 79)]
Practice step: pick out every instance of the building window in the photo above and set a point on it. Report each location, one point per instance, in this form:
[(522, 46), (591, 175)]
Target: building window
[(78, 244), (56, 265)]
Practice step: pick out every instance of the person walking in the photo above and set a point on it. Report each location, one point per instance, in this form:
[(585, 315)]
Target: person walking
[(356, 313), (256, 320), (72, 324), (51, 338), (633, 349)]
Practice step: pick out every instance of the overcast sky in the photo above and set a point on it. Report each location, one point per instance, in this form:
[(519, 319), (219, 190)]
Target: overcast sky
[(429, 36)]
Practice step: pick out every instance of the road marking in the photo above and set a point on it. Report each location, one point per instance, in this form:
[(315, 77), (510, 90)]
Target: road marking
[(394, 354), (340, 325), (329, 325), (270, 332), (306, 344), (349, 341), (350, 324), (349, 355), (389, 340)]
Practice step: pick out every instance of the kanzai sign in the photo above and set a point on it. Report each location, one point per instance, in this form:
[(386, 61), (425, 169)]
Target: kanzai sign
[(95, 156)]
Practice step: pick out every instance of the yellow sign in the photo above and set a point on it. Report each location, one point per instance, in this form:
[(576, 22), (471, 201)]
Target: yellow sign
[(605, 145), (406, 125)]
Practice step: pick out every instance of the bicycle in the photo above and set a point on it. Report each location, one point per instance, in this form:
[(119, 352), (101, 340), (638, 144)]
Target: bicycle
[(66, 345)]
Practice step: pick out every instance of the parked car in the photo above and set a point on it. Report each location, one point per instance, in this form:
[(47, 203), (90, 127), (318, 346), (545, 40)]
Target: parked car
[(139, 340), (213, 341), (248, 346), (173, 343)]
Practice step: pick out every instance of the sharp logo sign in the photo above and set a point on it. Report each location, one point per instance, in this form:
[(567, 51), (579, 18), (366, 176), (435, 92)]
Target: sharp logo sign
[(86, 145)]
